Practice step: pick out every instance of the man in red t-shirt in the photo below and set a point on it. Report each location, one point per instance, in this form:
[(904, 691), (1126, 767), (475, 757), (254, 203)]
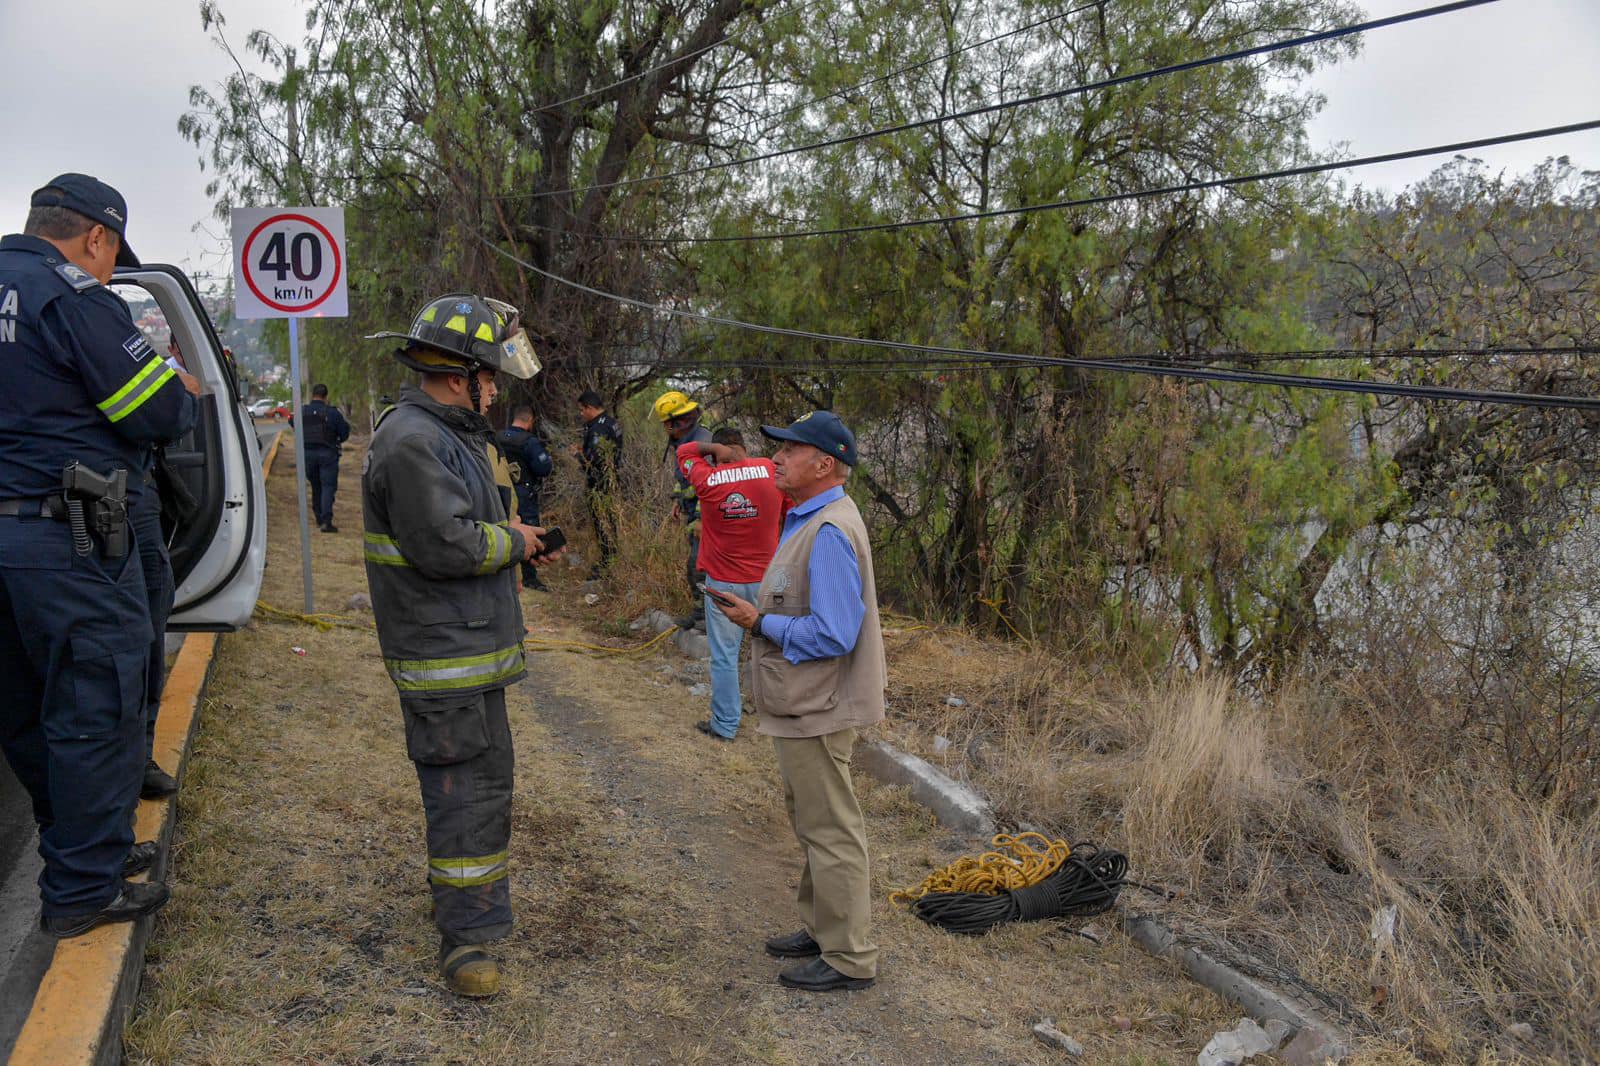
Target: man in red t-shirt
[(741, 514)]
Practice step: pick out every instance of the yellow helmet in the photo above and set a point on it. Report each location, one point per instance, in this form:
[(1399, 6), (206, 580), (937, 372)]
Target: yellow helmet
[(672, 404)]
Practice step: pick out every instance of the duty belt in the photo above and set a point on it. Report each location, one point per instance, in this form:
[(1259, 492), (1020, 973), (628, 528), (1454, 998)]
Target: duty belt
[(34, 507)]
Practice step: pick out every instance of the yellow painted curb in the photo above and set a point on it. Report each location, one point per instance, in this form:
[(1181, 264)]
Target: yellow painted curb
[(87, 993)]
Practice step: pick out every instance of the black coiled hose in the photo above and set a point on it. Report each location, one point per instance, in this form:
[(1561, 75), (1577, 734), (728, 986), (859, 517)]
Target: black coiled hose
[(1085, 884)]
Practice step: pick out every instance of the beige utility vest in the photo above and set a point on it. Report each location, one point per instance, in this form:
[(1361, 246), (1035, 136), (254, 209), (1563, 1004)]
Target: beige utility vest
[(821, 696)]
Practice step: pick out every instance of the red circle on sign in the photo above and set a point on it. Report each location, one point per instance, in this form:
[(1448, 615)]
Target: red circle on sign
[(249, 275)]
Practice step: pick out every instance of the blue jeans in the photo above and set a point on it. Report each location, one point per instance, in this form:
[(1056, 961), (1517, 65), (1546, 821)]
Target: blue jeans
[(725, 639)]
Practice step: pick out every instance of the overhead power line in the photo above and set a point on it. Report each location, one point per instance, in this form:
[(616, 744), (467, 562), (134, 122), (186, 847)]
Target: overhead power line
[(1119, 197), (1023, 101), (1192, 373), (918, 65)]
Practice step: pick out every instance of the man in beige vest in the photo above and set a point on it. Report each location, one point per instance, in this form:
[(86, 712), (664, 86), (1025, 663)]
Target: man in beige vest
[(817, 676)]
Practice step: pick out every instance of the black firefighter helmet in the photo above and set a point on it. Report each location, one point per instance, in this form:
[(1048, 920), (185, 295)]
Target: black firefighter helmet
[(460, 333)]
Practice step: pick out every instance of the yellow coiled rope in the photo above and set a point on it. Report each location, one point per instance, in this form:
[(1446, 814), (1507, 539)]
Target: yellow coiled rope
[(1017, 862)]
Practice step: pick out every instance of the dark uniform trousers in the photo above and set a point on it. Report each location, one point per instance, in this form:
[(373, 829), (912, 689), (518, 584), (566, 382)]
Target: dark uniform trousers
[(159, 592), (527, 503), (322, 470), (462, 748), (74, 654)]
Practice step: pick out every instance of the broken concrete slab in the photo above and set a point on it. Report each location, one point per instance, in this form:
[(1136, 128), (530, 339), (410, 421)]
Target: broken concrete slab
[(953, 803)]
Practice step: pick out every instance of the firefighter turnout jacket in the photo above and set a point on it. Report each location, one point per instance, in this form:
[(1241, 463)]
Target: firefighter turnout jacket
[(440, 560)]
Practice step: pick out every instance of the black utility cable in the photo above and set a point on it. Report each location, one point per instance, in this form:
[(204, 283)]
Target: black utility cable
[(1118, 197), (918, 65), (1023, 101), (1246, 377)]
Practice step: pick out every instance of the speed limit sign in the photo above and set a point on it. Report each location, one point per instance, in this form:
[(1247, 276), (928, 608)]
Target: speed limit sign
[(289, 262)]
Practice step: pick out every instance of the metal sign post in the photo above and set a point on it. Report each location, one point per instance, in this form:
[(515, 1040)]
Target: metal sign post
[(289, 262), (300, 464)]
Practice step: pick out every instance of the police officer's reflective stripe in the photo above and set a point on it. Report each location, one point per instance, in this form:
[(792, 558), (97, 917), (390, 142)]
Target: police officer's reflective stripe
[(443, 675), (145, 384), (466, 872), (385, 551), (496, 548)]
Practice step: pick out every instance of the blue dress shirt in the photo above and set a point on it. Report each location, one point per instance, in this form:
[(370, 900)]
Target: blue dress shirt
[(834, 624)]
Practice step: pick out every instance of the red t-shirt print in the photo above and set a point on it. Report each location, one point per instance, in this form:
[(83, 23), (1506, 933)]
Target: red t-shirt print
[(741, 514)]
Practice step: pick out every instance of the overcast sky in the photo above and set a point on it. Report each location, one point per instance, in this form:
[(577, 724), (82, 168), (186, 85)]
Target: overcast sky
[(1509, 66)]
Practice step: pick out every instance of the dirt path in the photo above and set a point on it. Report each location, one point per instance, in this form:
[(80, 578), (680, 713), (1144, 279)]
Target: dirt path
[(648, 865)]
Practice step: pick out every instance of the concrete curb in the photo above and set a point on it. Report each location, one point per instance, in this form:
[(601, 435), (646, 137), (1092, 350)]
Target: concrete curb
[(1316, 1039), (87, 994), (954, 804)]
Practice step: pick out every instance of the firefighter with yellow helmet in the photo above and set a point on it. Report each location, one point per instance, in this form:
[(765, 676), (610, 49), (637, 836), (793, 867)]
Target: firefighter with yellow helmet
[(441, 559), (681, 418)]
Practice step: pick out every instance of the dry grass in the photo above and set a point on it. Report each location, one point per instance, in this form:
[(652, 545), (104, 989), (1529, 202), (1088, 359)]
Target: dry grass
[(1287, 823)]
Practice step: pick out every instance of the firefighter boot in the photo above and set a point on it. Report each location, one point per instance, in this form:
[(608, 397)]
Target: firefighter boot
[(469, 970)]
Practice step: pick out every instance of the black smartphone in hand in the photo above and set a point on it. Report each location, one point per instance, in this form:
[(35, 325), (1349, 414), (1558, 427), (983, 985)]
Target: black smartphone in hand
[(553, 540), (719, 596)]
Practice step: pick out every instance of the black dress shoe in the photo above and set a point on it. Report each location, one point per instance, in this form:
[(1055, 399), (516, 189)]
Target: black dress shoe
[(705, 727), (141, 857), (794, 946), (329, 527), (818, 976), (134, 901), (157, 782)]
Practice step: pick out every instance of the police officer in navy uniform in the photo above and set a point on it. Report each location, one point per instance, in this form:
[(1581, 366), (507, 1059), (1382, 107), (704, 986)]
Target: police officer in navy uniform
[(525, 453), (82, 386), (600, 454), (325, 429)]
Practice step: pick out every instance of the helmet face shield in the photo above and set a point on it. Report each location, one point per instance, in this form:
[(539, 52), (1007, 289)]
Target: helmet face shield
[(519, 359)]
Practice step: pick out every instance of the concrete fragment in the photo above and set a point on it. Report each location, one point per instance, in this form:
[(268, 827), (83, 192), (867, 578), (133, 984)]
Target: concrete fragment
[(953, 803), (692, 643), (1237, 1045), (700, 690), (1047, 1033)]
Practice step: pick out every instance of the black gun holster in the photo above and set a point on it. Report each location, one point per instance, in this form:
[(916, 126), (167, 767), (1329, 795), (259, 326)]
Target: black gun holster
[(99, 505)]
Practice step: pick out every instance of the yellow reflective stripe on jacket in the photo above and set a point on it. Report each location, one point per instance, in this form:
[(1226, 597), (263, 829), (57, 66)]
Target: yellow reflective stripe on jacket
[(443, 675), (143, 385), (466, 872), (383, 550), (496, 547)]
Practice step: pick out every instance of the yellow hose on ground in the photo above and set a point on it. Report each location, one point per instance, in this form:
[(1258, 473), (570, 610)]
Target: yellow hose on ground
[(995, 871)]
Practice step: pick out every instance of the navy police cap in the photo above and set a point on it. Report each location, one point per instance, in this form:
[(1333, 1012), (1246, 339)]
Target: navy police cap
[(93, 199), (822, 430)]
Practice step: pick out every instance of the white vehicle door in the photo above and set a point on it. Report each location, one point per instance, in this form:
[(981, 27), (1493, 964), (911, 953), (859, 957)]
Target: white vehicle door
[(219, 544)]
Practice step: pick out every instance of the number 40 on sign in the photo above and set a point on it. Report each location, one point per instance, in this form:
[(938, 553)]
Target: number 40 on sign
[(289, 262)]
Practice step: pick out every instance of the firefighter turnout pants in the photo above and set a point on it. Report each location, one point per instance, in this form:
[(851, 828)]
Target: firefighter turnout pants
[(462, 748)]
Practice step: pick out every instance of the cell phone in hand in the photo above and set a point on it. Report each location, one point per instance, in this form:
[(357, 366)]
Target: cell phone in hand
[(719, 596), (553, 540)]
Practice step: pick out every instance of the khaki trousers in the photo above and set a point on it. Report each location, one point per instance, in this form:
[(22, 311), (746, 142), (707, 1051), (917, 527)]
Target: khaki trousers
[(835, 894)]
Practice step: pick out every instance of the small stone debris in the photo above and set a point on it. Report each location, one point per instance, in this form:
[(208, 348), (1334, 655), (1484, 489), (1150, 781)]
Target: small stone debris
[(941, 745), (954, 701), (699, 690), (1123, 1023), (359, 602), (591, 598), (1048, 1035)]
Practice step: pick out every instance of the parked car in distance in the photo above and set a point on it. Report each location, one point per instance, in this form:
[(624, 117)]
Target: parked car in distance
[(262, 408)]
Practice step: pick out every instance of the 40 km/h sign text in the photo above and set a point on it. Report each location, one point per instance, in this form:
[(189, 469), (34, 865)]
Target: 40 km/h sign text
[(290, 262)]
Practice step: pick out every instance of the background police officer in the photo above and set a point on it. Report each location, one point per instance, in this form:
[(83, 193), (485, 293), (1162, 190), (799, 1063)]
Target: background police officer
[(601, 457), (82, 385), (325, 428), (529, 460), (439, 553)]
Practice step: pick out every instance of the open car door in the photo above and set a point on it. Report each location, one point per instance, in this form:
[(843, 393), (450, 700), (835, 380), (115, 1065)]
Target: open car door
[(218, 550)]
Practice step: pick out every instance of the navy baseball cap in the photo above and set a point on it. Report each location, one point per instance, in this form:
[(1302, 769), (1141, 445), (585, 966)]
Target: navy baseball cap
[(93, 199), (822, 430)]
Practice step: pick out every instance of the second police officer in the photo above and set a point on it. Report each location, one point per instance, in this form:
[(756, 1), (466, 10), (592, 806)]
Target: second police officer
[(85, 396), (529, 462)]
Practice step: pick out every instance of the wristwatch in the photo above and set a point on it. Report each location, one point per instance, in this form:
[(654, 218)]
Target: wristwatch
[(756, 626)]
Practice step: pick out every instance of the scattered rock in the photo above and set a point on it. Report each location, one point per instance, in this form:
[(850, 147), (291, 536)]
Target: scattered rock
[(1239, 1044), (941, 745), (699, 690), (573, 559), (286, 707), (592, 598), (1122, 1022), (954, 701), (1048, 1035), (1093, 933), (359, 602)]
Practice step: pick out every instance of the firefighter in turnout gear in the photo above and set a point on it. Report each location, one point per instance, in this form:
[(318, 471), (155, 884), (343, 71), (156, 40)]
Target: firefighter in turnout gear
[(441, 559), (680, 417)]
